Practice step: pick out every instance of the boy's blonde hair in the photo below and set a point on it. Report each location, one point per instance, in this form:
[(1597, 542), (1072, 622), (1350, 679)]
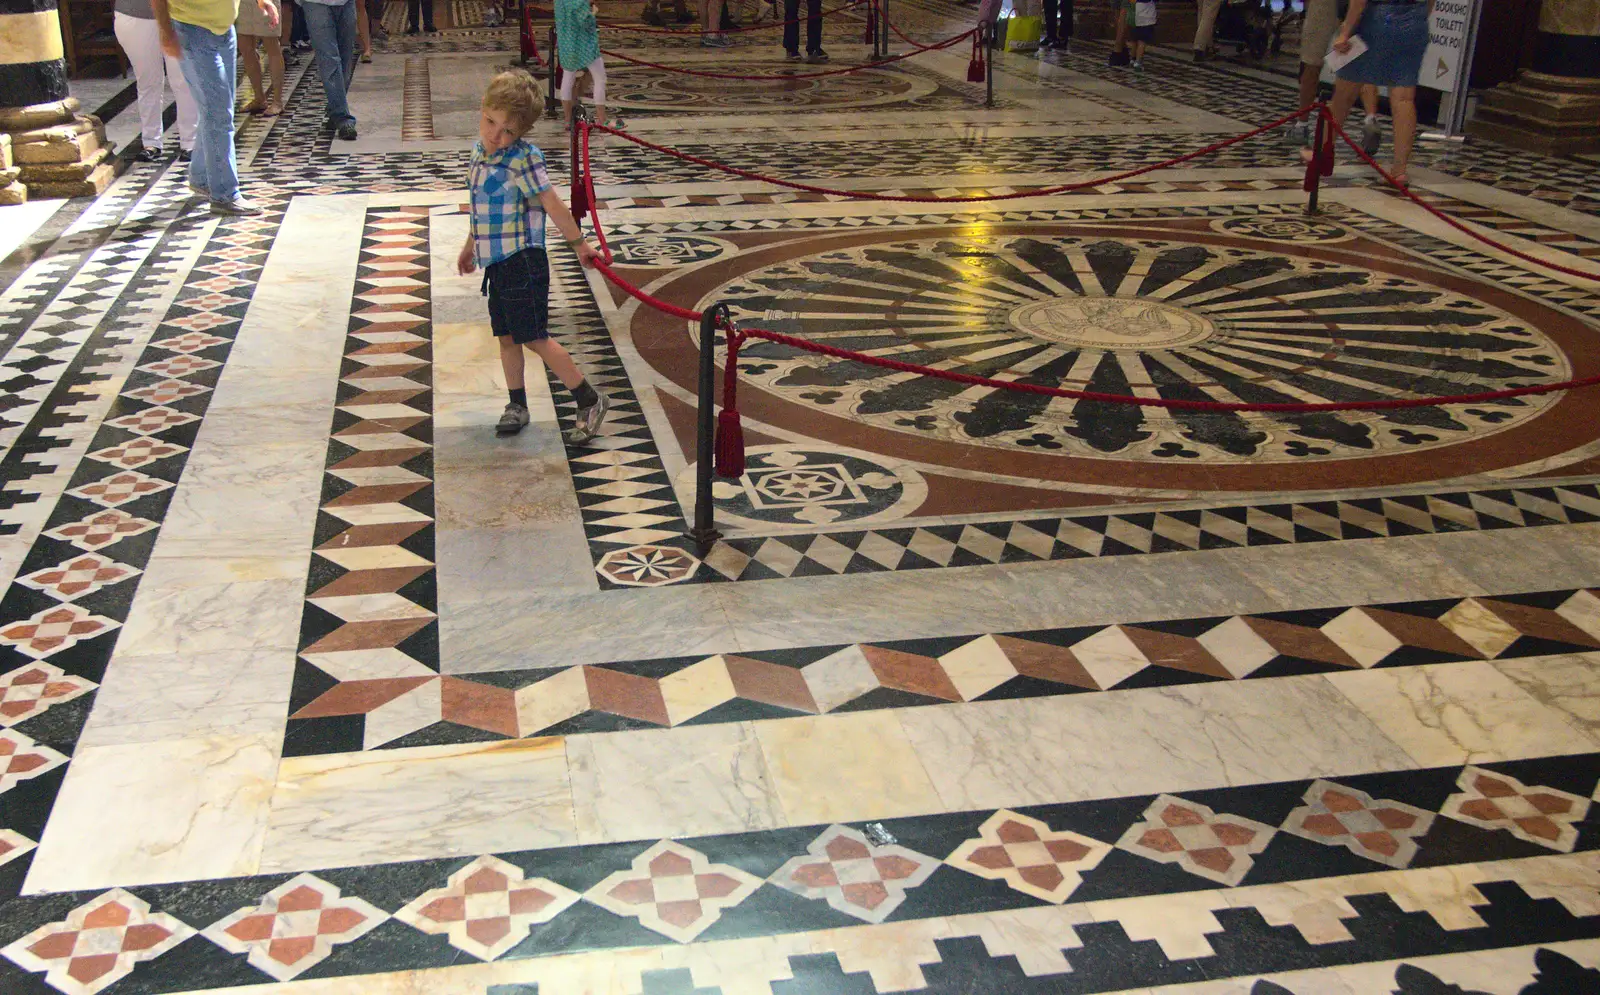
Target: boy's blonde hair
[(515, 93)]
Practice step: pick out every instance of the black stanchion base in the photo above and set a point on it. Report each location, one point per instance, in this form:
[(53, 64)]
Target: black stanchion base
[(704, 538)]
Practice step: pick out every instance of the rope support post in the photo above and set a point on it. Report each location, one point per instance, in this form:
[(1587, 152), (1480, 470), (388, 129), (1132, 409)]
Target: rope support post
[(551, 103), (986, 35), (704, 532), (1314, 177)]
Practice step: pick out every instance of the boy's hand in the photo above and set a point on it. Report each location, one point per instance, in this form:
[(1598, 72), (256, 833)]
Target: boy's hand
[(587, 253), (465, 263)]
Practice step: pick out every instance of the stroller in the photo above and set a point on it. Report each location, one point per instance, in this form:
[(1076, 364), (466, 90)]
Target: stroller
[(1247, 24)]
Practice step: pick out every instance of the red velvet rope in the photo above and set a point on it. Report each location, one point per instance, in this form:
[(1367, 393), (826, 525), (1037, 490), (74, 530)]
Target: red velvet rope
[(1040, 192), (728, 31), (787, 76), (736, 336), (1452, 222), (594, 202)]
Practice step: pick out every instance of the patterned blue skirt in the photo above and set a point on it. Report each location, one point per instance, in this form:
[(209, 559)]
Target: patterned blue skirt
[(1397, 36)]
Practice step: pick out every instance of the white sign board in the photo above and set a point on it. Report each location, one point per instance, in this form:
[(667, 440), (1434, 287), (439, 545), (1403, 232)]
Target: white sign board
[(1447, 40)]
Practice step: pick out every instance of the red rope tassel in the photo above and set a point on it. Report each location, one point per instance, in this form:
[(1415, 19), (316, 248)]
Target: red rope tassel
[(580, 198), (730, 433), (975, 69)]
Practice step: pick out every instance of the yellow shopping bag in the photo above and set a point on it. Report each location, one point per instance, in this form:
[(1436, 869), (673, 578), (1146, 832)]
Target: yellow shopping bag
[(1023, 33)]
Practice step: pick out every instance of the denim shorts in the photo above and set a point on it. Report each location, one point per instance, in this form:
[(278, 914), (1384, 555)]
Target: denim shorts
[(519, 295), (1397, 37)]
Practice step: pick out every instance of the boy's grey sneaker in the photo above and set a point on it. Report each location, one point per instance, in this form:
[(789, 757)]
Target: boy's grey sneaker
[(1371, 136), (587, 425), (346, 131), (1298, 133), (513, 420), (239, 206)]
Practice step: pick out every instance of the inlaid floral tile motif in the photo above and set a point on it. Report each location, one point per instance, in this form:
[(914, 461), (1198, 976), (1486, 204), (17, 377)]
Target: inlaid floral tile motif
[(487, 907), (78, 576), (32, 689), (1217, 847), (1385, 831), (852, 874), (1546, 816), (295, 927), (54, 629), (674, 890), (1029, 856), (120, 488), (98, 943), (101, 529)]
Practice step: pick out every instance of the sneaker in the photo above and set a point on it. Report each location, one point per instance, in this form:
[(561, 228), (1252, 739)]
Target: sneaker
[(587, 425), (151, 154), (346, 131), (1371, 136), (1138, 66), (817, 58), (716, 41), (513, 420), (1298, 133), (200, 191), (186, 155), (239, 206), (792, 56)]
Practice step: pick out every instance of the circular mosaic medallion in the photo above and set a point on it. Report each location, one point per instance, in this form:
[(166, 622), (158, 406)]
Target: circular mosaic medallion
[(776, 86), (808, 485), (647, 566), (1149, 317), (667, 250), (1110, 323), (1284, 228)]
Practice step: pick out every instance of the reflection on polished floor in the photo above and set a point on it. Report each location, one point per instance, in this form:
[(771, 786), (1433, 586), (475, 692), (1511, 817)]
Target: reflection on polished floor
[(311, 685)]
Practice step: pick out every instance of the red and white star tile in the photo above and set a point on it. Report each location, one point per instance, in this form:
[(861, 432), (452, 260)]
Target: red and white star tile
[(98, 943), (295, 927), (487, 907), (1029, 856), (843, 868), (674, 890)]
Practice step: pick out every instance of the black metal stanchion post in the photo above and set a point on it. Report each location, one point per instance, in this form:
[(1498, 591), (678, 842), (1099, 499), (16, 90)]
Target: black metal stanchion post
[(883, 27), (704, 531), (1316, 164), (986, 39)]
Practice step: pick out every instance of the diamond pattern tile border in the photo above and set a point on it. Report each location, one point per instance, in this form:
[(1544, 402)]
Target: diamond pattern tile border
[(814, 680)]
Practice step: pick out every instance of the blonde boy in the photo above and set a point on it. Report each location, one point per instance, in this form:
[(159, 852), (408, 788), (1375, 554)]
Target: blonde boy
[(511, 196)]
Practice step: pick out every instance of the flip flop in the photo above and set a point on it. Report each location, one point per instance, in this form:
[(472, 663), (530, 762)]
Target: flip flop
[(273, 109), (253, 107)]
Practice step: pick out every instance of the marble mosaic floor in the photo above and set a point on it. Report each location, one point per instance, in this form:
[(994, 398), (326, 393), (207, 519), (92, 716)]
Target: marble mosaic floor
[(310, 685)]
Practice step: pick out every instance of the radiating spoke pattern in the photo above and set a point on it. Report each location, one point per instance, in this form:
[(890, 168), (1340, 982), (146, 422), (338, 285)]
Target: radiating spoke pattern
[(1151, 318)]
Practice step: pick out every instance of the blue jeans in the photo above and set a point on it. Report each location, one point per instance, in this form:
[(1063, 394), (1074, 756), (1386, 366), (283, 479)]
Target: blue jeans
[(208, 66), (333, 38)]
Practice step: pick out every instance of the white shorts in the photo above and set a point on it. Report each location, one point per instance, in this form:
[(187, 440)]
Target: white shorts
[(1317, 30)]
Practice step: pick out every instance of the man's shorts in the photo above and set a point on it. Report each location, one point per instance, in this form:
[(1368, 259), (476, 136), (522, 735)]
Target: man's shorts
[(519, 296), (1317, 30)]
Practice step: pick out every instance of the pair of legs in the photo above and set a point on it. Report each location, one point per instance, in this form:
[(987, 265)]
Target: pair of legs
[(569, 77), (1206, 27), (1311, 75), (791, 27), (333, 38), (514, 363), (1402, 111), (268, 102), (208, 66), (426, 8), (1057, 22), (152, 73)]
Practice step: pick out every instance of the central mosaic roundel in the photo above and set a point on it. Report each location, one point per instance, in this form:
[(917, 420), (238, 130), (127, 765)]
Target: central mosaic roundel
[(1110, 323), (1152, 317)]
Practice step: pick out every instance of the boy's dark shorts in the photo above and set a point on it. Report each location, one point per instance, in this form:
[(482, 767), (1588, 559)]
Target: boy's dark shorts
[(1144, 32), (519, 296)]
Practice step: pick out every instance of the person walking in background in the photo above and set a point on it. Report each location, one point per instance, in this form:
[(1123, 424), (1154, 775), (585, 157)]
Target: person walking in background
[(1143, 30), (332, 24), (1205, 30), (791, 31), (426, 7), (578, 45), (199, 34), (253, 29), (1317, 28), (1057, 24), (1396, 35), (137, 33)]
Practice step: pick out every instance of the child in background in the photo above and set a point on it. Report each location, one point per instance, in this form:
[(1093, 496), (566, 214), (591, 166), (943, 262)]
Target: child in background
[(1144, 29), (578, 43), (511, 195)]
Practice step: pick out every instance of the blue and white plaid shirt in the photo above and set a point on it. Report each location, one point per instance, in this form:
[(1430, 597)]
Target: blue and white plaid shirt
[(506, 214)]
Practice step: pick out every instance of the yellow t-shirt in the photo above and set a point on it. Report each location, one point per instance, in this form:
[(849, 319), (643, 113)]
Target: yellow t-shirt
[(216, 16)]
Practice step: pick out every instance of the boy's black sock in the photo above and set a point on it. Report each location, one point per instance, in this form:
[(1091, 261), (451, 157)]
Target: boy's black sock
[(584, 394), (519, 395)]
